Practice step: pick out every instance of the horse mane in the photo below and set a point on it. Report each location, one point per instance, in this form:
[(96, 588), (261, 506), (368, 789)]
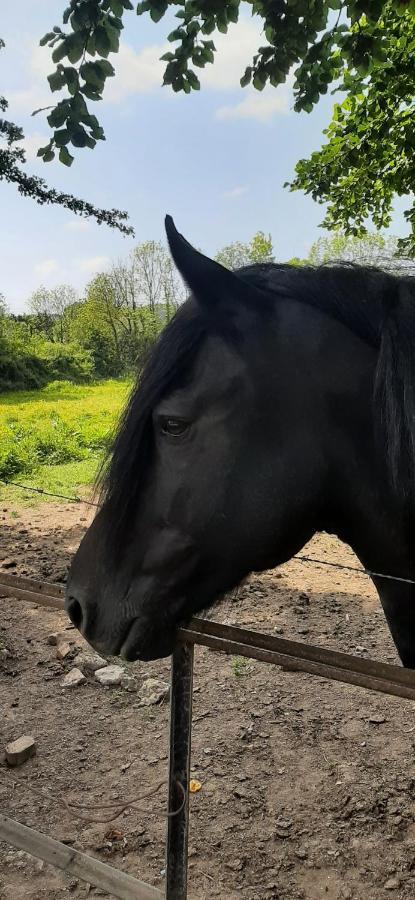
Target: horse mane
[(379, 307)]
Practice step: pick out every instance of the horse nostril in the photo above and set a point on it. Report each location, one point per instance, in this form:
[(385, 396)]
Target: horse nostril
[(74, 610)]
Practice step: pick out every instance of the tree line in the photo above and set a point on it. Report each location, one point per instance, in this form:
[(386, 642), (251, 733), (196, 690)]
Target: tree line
[(110, 331)]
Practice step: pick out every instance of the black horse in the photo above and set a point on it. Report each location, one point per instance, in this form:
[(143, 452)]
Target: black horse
[(278, 402)]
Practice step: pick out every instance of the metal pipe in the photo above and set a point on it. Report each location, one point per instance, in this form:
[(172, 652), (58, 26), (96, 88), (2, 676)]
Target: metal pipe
[(179, 771)]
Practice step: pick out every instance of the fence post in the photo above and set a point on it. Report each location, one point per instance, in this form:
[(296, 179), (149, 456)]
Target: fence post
[(179, 770)]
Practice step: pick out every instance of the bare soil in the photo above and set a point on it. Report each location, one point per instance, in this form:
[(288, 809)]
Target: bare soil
[(303, 796)]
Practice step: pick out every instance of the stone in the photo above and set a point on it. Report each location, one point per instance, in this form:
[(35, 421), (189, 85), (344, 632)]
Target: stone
[(129, 683), (4, 654), (53, 639), (73, 678), (377, 719), (63, 650), (153, 691), (17, 752), (110, 676), (88, 662), (392, 884)]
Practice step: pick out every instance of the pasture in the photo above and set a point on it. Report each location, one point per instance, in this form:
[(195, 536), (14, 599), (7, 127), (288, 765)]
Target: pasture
[(307, 785), (54, 438)]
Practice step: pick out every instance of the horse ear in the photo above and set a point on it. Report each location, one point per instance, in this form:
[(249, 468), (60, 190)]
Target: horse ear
[(210, 282)]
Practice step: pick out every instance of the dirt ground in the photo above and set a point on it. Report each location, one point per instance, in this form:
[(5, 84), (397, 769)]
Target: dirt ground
[(308, 786)]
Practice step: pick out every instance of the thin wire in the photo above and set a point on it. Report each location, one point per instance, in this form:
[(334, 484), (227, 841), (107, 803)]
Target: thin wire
[(360, 571), (25, 487), (299, 558)]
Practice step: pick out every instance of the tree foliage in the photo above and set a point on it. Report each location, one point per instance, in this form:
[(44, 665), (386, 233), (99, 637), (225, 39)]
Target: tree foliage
[(12, 161), (364, 48), (258, 249)]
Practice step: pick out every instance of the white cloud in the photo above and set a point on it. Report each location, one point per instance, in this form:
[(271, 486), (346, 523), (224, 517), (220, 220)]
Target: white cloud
[(234, 52), (37, 94), (77, 225), (142, 72), (255, 105), (93, 263), (47, 267), (135, 73), (235, 192)]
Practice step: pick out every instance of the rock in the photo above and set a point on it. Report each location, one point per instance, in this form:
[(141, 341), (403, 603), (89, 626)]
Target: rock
[(392, 884), (109, 676), (129, 683), (153, 691), (88, 662), (73, 678), (63, 651), (17, 752), (4, 654), (303, 630), (377, 719), (53, 639), (278, 629)]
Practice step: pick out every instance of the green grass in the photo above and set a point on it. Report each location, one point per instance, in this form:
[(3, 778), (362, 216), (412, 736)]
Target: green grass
[(240, 666), (55, 438)]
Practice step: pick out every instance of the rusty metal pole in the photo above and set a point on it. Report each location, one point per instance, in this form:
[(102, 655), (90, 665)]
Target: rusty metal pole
[(179, 770)]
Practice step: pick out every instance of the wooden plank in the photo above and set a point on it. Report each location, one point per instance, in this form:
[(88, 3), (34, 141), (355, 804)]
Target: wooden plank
[(71, 861), (32, 584), (34, 597), (297, 664), (301, 651)]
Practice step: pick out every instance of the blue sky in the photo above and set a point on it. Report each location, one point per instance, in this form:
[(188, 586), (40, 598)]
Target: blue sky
[(216, 160)]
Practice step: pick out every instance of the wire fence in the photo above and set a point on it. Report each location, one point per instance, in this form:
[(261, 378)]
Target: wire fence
[(311, 560), (36, 490)]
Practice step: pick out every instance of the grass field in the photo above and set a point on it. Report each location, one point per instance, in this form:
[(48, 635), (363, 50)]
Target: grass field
[(54, 438)]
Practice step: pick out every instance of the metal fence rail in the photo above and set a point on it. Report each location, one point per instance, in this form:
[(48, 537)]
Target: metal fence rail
[(290, 655), (71, 861)]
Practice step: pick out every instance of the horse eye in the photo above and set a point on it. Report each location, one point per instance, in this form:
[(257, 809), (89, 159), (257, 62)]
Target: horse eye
[(174, 427)]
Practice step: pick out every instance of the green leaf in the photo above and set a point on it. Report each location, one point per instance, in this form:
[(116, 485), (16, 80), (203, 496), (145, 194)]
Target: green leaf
[(193, 80), (79, 137), (59, 115), (143, 7), (259, 80), (56, 80), (157, 14), (43, 150), (46, 38), (60, 51), (117, 7), (75, 46), (102, 41), (48, 156), (61, 137), (65, 157), (246, 77)]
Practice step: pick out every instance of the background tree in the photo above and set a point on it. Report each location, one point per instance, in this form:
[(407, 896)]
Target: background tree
[(259, 249), (156, 281), (364, 48), (372, 249), (49, 306)]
